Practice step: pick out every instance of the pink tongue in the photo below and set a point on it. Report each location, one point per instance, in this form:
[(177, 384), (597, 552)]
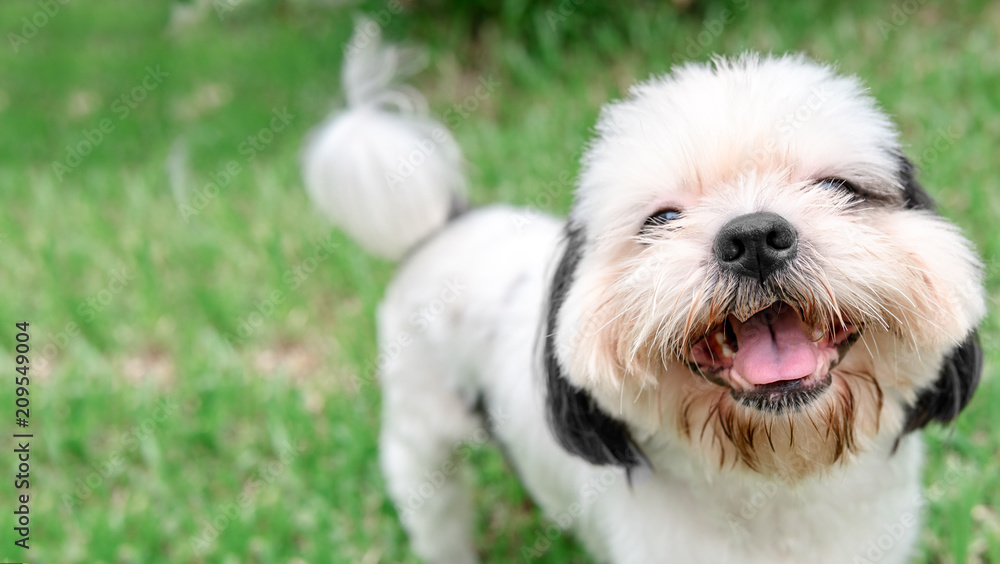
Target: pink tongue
[(773, 347)]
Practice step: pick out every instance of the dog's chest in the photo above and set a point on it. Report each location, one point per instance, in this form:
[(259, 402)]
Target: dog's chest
[(877, 504)]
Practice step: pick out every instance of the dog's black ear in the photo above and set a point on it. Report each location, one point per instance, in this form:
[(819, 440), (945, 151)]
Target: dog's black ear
[(963, 366), (579, 425), (916, 197), (953, 389)]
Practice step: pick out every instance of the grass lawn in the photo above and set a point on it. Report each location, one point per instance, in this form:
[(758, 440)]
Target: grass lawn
[(197, 328)]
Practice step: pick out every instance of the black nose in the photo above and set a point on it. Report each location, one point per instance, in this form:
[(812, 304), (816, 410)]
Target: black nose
[(756, 245)]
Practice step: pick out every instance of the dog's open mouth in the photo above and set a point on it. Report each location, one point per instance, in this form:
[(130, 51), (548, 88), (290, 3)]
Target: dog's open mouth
[(773, 359)]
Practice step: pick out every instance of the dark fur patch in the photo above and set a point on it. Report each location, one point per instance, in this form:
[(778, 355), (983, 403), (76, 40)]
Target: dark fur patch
[(953, 389), (579, 425), (480, 409), (916, 197), (963, 366), (459, 207)]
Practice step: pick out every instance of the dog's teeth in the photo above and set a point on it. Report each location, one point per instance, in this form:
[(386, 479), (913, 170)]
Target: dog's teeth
[(720, 338), (817, 334), (726, 351)]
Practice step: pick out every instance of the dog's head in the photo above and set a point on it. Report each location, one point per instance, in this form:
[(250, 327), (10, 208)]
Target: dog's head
[(752, 272)]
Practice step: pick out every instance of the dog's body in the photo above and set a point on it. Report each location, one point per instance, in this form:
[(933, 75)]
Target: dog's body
[(719, 358), (499, 268)]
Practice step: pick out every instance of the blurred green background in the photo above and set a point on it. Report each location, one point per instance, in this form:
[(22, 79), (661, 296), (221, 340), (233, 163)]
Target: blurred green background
[(195, 348)]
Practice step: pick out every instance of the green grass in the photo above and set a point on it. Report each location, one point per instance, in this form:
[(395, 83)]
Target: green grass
[(111, 345)]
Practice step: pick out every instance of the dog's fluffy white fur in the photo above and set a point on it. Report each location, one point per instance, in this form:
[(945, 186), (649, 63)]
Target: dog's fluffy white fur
[(575, 342)]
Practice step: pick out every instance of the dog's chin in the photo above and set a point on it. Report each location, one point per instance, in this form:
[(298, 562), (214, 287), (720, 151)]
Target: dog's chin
[(772, 361)]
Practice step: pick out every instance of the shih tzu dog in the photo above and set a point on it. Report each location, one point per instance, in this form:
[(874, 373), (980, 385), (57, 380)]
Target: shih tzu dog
[(723, 355)]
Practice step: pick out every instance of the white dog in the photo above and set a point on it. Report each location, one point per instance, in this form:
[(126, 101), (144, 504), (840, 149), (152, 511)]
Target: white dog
[(720, 357)]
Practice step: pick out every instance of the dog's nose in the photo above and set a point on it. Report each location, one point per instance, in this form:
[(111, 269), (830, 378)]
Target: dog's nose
[(756, 245)]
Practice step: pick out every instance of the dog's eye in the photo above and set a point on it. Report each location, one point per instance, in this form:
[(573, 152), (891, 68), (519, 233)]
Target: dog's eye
[(661, 217), (839, 184)]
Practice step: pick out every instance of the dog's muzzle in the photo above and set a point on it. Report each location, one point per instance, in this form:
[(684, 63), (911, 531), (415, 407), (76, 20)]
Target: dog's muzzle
[(772, 360)]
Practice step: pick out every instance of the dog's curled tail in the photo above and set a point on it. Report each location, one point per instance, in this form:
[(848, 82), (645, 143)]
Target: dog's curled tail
[(381, 169)]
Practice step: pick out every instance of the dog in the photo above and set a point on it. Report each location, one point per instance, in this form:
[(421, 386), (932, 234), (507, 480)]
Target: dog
[(724, 354)]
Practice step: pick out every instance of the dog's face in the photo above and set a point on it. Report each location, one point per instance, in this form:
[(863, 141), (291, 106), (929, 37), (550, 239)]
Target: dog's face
[(752, 272)]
